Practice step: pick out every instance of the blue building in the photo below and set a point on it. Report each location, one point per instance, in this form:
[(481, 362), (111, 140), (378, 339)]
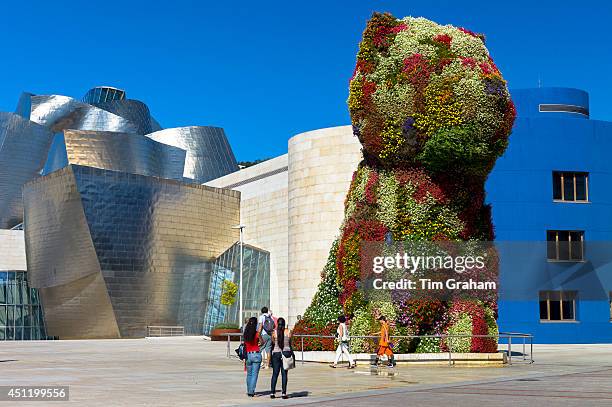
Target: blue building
[(552, 210)]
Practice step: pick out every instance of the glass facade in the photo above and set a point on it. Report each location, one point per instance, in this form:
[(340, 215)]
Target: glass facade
[(256, 285), (103, 94), (21, 316)]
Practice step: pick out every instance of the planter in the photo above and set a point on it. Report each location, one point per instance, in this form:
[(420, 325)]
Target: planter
[(416, 359), (221, 334)]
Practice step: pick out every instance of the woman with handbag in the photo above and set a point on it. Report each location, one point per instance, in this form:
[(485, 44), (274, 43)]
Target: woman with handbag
[(282, 357), (343, 343), (253, 355)]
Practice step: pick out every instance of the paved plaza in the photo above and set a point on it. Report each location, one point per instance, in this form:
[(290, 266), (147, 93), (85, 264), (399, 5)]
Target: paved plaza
[(188, 371)]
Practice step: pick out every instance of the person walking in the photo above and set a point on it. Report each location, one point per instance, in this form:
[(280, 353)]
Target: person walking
[(265, 327), (384, 344), (253, 360), (281, 339), (343, 343)]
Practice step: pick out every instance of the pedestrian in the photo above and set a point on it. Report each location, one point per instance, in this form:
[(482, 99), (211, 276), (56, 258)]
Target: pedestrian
[(253, 360), (282, 348), (265, 327), (342, 335), (384, 344)]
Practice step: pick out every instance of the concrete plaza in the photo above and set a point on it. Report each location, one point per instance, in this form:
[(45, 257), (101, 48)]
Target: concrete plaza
[(188, 371)]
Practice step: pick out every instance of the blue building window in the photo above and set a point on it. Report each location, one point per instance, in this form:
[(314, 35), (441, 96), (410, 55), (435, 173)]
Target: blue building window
[(570, 186), (558, 306), (565, 245)]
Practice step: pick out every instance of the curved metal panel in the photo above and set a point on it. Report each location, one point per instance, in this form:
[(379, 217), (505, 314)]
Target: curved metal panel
[(24, 105), (119, 152), (62, 261), (154, 240), (133, 110), (23, 151), (58, 244), (62, 112), (209, 154)]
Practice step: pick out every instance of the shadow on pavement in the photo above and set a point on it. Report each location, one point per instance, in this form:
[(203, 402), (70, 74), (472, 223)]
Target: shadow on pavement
[(295, 394)]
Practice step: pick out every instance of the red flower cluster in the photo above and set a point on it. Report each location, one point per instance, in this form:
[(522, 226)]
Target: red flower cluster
[(348, 259), (417, 69), (443, 39), (370, 188), (368, 89), (399, 28), (468, 32), (381, 30), (304, 327), (467, 61), (473, 34), (423, 183)]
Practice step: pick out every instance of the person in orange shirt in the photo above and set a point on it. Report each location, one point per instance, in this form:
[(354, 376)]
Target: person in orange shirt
[(384, 344)]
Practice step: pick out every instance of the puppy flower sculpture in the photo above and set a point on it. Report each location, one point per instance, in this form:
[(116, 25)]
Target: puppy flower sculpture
[(433, 114)]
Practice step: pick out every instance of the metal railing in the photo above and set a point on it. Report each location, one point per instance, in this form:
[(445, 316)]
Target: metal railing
[(507, 337), (163, 330)]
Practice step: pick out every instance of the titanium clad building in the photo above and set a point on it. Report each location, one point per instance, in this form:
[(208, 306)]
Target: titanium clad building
[(118, 234), (129, 251)]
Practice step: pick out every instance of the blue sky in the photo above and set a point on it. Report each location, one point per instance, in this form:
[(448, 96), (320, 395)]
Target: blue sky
[(268, 70)]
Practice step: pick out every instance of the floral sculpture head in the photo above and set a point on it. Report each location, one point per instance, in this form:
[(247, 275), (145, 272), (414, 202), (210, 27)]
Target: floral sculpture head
[(430, 96)]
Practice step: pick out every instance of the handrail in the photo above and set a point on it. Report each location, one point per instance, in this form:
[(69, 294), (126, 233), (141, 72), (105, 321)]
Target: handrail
[(502, 335), (165, 330)]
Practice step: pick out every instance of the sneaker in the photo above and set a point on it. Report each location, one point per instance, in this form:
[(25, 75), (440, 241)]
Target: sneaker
[(333, 366), (272, 396), (285, 397), (352, 366)]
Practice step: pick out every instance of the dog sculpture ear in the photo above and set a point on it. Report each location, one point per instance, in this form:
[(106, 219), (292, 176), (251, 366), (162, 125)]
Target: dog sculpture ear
[(428, 95)]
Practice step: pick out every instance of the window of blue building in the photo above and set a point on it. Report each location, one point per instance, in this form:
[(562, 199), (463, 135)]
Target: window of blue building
[(558, 305), (570, 186), (565, 245)]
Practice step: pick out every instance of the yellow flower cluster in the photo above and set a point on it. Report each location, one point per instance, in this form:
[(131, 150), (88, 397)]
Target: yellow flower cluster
[(355, 94), (393, 140), (441, 111)]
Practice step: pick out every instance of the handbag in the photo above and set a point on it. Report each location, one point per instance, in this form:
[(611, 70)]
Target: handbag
[(241, 351), (288, 362)]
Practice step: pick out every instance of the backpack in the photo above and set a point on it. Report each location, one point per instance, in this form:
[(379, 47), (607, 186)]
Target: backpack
[(269, 324), (241, 351)]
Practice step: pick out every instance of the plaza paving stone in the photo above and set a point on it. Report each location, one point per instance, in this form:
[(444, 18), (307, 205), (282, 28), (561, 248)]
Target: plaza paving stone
[(189, 371)]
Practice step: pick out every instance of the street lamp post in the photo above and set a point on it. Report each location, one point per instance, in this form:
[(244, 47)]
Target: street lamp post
[(241, 227)]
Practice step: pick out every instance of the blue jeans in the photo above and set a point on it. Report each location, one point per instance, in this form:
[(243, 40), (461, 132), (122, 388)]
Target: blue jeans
[(253, 363), (267, 342)]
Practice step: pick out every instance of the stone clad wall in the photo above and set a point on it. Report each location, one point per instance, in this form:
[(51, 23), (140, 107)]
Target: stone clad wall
[(12, 250), (263, 210), (321, 165)]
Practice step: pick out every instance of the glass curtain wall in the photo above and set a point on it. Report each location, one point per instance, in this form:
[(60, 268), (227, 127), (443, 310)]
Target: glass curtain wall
[(21, 316), (256, 286)]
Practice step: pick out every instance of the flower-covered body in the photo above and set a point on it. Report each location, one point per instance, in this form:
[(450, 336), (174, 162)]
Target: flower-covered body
[(433, 113)]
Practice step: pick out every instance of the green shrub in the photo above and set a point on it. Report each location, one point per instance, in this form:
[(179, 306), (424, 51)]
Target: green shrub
[(226, 325)]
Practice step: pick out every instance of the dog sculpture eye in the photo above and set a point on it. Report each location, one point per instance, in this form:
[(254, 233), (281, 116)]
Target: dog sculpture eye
[(428, 95)]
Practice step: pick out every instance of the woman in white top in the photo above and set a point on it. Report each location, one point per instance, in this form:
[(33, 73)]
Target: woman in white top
[(343, 343)]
